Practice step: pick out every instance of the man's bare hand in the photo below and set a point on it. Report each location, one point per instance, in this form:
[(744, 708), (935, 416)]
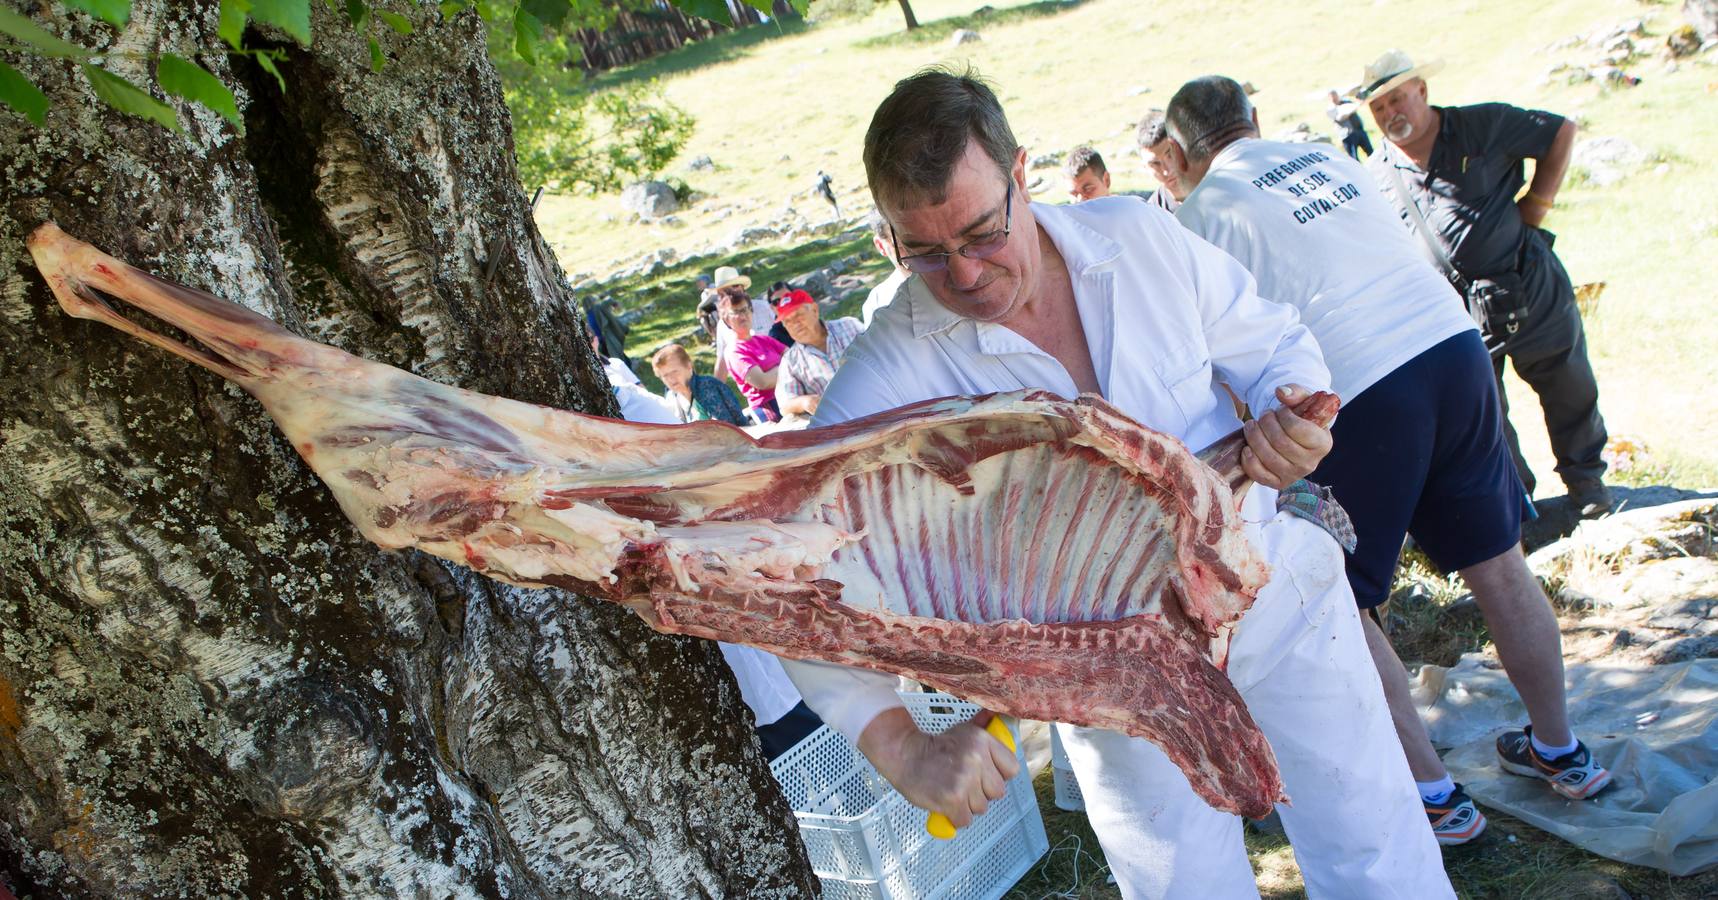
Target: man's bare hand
[(1281, 446), (957, 773)]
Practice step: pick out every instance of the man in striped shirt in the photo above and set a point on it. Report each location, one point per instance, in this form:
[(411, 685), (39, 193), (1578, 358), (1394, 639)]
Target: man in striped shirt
[(817, 352)]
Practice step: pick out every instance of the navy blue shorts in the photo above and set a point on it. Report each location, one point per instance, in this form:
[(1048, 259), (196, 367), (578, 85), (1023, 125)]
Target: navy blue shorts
[(1421, 452)]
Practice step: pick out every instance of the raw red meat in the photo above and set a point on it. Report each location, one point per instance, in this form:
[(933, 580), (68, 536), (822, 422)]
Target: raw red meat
[(1045, 558)]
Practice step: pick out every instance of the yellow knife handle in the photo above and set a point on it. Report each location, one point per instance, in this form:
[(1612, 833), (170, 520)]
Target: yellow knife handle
[(938, 824)]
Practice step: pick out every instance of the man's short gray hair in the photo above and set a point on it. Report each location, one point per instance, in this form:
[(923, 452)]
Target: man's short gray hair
[(1152, 130), (920, 132), (1207, 114)]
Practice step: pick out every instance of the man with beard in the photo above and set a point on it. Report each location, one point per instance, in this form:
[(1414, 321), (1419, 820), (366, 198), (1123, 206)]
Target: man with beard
[(1454, 172)]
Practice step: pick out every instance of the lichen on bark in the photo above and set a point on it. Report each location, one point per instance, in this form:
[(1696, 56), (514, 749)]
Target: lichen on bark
[(209, 684)]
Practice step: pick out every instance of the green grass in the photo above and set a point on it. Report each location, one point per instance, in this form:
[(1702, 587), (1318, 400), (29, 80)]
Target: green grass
[(723, 47), (941, 29)]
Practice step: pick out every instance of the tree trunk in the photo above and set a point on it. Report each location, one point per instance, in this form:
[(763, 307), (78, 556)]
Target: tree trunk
[(210, 684), (907, 10)]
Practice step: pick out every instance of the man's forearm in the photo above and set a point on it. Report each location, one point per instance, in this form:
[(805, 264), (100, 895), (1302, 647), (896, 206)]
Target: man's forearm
[(797, 404), (884, 740), (1548, 173)]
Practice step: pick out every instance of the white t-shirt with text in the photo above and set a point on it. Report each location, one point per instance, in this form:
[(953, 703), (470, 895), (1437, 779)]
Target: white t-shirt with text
[(1310, 225)]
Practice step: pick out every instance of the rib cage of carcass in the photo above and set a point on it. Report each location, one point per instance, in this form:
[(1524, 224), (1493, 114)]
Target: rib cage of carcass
[(1045, 558)]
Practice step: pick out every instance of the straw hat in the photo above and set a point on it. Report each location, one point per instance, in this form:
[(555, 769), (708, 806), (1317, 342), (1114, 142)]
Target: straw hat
[(1390, 71), (727, 275)]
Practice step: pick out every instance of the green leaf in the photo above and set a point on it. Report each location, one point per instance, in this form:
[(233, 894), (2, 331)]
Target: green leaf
[(266, 60), (129, 98), (291, 16), (358, 14), (22, 95), (399, 23), (183, 78), (232, 27), (527, 31), (714, 10), (113, 12), (377, 60), (18, 26), (550, 12)]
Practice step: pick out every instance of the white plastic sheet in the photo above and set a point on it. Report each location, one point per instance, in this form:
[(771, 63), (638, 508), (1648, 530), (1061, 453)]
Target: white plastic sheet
[(1654, 727)]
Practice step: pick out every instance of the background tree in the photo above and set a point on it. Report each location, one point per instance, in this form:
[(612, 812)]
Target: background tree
[(907, 11), (210, 685)]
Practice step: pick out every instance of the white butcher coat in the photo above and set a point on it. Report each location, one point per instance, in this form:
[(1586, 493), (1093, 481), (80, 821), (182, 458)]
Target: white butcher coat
[(1167, 317)]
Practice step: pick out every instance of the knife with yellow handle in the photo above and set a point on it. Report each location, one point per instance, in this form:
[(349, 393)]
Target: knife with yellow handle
[(938, 824)]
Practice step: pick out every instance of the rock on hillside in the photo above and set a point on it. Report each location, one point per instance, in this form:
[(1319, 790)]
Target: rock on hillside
[(649, 199), (1643, 583), (1607, 160)]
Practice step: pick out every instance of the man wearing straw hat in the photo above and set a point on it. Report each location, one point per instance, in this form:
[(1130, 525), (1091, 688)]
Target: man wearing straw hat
[(1454, 173)]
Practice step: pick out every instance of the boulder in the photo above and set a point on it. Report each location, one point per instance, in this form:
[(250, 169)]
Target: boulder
[(1046, 160), (649, 199), (750, 235), (1607, 160), (701, 163), (964, 36), (816, 283)]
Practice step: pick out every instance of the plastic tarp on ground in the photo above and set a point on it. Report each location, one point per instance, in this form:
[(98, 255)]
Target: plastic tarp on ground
[(1654, 727)]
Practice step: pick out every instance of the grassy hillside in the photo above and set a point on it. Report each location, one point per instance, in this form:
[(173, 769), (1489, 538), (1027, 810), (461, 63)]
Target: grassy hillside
[(773, 107)]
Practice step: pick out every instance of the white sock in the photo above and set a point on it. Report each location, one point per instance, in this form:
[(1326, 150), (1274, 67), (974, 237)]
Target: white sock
[(1546, 751), (1436, 791)]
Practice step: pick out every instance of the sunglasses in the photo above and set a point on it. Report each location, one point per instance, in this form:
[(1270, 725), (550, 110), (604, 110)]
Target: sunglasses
[(982, 247)]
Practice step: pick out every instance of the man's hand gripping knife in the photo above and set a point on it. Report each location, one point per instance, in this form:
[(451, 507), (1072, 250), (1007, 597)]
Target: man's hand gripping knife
[(956, 773), (1283, 448)]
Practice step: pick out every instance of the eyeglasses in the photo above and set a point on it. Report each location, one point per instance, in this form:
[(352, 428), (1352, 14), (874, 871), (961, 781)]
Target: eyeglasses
[(982, 247)]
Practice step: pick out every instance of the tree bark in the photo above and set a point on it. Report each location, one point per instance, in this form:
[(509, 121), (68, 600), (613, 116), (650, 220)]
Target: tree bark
[(907, 10), (210, 684)]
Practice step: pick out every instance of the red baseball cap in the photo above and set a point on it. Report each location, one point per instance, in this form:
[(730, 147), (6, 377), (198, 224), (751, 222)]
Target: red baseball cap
[(793, 300)]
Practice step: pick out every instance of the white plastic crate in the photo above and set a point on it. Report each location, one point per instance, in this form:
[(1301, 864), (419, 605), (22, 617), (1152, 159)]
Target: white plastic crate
[(866, 841), (1068, 794)]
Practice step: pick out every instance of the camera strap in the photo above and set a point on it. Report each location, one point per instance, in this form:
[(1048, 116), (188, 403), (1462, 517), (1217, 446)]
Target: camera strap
[(1418, 221)]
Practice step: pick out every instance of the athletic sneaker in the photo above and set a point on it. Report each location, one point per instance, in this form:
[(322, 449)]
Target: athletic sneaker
[(1456, 820), (1574, 774)]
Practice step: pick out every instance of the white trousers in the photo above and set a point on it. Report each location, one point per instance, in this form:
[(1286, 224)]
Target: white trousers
[(1300, 662)]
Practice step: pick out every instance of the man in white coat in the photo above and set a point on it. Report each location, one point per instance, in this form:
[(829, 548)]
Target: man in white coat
[(1111, 297)]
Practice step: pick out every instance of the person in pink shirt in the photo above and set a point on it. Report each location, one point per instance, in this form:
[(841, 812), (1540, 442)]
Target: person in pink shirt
[(753, 359)]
